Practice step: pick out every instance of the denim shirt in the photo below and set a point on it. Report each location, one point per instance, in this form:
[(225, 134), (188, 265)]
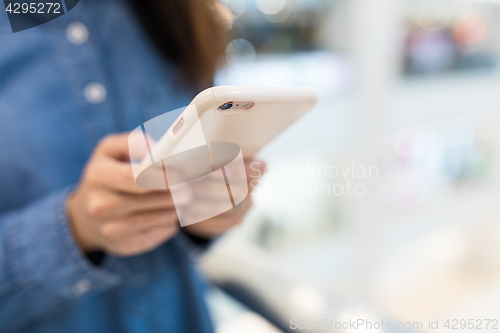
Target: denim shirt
[(64, 85)]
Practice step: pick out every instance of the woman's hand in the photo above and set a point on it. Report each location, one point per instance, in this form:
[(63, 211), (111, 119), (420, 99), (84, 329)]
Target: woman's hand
[(221, 223), (109, 212)]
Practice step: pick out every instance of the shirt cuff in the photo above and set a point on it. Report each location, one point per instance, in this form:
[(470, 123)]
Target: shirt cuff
[(46, 254), (192, 244)]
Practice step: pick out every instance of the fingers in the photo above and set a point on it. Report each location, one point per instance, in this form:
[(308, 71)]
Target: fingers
[(213, 189), (114, 146), (139, 233), (110, 170), (106, 172), (140, 223), (110, 212), (220, 223), (140, 144), (145, 222), (151, 239), (143, 242), (239, 211), (208, 190), (200, 209), (110, 167), (103, 204), (117, 176)]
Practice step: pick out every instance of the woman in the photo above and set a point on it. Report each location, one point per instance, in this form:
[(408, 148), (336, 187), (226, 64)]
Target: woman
[(82, 248)]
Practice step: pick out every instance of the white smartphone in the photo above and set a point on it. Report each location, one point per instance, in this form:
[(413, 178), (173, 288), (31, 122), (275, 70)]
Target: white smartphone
[(247, 116)]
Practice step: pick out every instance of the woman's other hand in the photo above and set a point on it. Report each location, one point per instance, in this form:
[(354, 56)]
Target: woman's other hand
[(221, 223)]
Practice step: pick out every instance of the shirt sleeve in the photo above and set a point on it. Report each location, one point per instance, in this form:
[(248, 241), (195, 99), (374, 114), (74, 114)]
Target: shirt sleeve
[(41, 266), (195, 246)]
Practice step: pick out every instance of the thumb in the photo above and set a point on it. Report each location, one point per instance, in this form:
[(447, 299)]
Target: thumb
[(115, 146)]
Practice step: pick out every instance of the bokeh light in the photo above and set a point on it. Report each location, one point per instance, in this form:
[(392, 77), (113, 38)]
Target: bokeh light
[(270, 7)]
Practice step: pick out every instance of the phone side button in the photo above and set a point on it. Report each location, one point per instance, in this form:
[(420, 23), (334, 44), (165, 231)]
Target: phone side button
[(178, 126)]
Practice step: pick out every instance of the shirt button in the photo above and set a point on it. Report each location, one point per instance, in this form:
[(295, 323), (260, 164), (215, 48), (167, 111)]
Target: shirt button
[(81, 287), (77, 33), (95, 93)]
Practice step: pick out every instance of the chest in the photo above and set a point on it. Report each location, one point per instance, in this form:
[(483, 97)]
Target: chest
[(59, 98)]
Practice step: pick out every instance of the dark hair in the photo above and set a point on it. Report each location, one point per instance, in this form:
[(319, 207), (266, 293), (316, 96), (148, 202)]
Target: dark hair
[(189, 33)]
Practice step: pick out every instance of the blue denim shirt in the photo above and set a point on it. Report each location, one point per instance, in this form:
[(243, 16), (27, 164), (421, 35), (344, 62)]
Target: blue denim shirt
[(48, 129)]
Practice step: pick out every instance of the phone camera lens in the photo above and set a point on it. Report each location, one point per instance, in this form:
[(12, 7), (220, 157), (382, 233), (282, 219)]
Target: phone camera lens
[(226, 106)]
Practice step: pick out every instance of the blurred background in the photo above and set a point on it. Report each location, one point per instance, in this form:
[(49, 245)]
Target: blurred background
[(384, 201)]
